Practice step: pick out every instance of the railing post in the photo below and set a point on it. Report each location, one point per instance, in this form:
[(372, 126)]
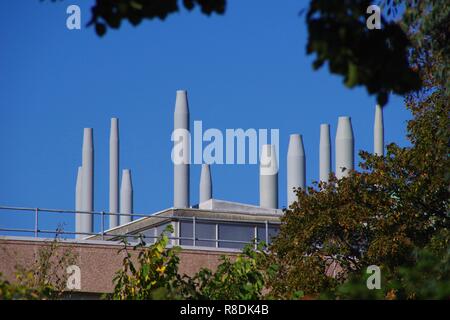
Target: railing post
[(267, 233), (193, 232), (217, 235), (36, 222), (255, 237), (103, 225)]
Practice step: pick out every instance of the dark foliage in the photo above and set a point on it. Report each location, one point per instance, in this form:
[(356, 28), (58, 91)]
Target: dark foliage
[(110, 13)]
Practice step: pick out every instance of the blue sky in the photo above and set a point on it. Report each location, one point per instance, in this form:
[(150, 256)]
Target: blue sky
[(246, 69)]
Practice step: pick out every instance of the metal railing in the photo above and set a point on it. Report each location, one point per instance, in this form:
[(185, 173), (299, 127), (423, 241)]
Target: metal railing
[(169, 218)]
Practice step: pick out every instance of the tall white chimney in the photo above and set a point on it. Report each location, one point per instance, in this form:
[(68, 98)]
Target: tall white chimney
[(87, 189), (181, 151), (78, 202), (114, 173), (324, 153), (126, 196), (344, 147), (378, 132), (296, 167), (205, 184), (268, 177)]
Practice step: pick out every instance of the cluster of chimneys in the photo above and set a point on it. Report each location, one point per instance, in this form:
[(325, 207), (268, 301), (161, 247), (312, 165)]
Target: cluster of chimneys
[(84, 191), (268, 181), (344, 156)]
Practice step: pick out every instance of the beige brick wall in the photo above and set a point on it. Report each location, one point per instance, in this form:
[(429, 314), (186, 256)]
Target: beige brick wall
[(97, 260)]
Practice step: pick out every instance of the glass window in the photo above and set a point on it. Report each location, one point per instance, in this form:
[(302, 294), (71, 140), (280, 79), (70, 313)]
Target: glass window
[(261, 233), (152, 234), (148, 234), (132, 239), (204, 230), (273, 231), (186, 232), (235, 232)]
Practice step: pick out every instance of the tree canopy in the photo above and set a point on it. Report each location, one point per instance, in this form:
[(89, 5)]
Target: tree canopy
[(396, 206), (110, 13)]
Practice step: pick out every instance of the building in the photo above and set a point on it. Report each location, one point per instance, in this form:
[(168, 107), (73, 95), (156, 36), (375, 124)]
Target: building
[(204, 231)]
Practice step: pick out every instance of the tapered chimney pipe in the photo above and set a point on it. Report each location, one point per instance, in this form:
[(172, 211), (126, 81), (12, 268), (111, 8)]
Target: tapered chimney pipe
[(87, 189), (378, 132), (181, 151), (205, 184), (344, 147), (78, 202), (114, 173), (126, 196), (268, 177), (296, 167), (324, 153)]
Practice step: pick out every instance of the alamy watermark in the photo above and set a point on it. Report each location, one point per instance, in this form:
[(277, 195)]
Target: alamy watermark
[(73, 21), (374, 20), (234, 146), (374, 280), (74, 277)]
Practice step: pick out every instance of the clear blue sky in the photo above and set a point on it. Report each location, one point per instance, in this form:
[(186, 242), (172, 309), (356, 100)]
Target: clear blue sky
[(246, 69)]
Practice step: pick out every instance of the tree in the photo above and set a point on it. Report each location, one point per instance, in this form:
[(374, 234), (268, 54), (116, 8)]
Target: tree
[(154, 276), (427, 278), (242, 278), (387, 60), (110, 13), (382, 215), (45, 279), (378, 59)]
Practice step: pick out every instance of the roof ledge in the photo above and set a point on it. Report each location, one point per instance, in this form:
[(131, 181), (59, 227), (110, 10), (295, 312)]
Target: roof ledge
[(228, 206)]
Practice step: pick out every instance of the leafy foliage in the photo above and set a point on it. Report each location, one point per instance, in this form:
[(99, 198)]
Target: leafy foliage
[(427, 278), (374, 58), (382, 215), (386, 60), (242, 279), (110, 13), (20, 291), (427, 24), (155, 275), (45, 279)]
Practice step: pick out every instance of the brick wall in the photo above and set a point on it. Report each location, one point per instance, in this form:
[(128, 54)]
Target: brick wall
[(97, 260)]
